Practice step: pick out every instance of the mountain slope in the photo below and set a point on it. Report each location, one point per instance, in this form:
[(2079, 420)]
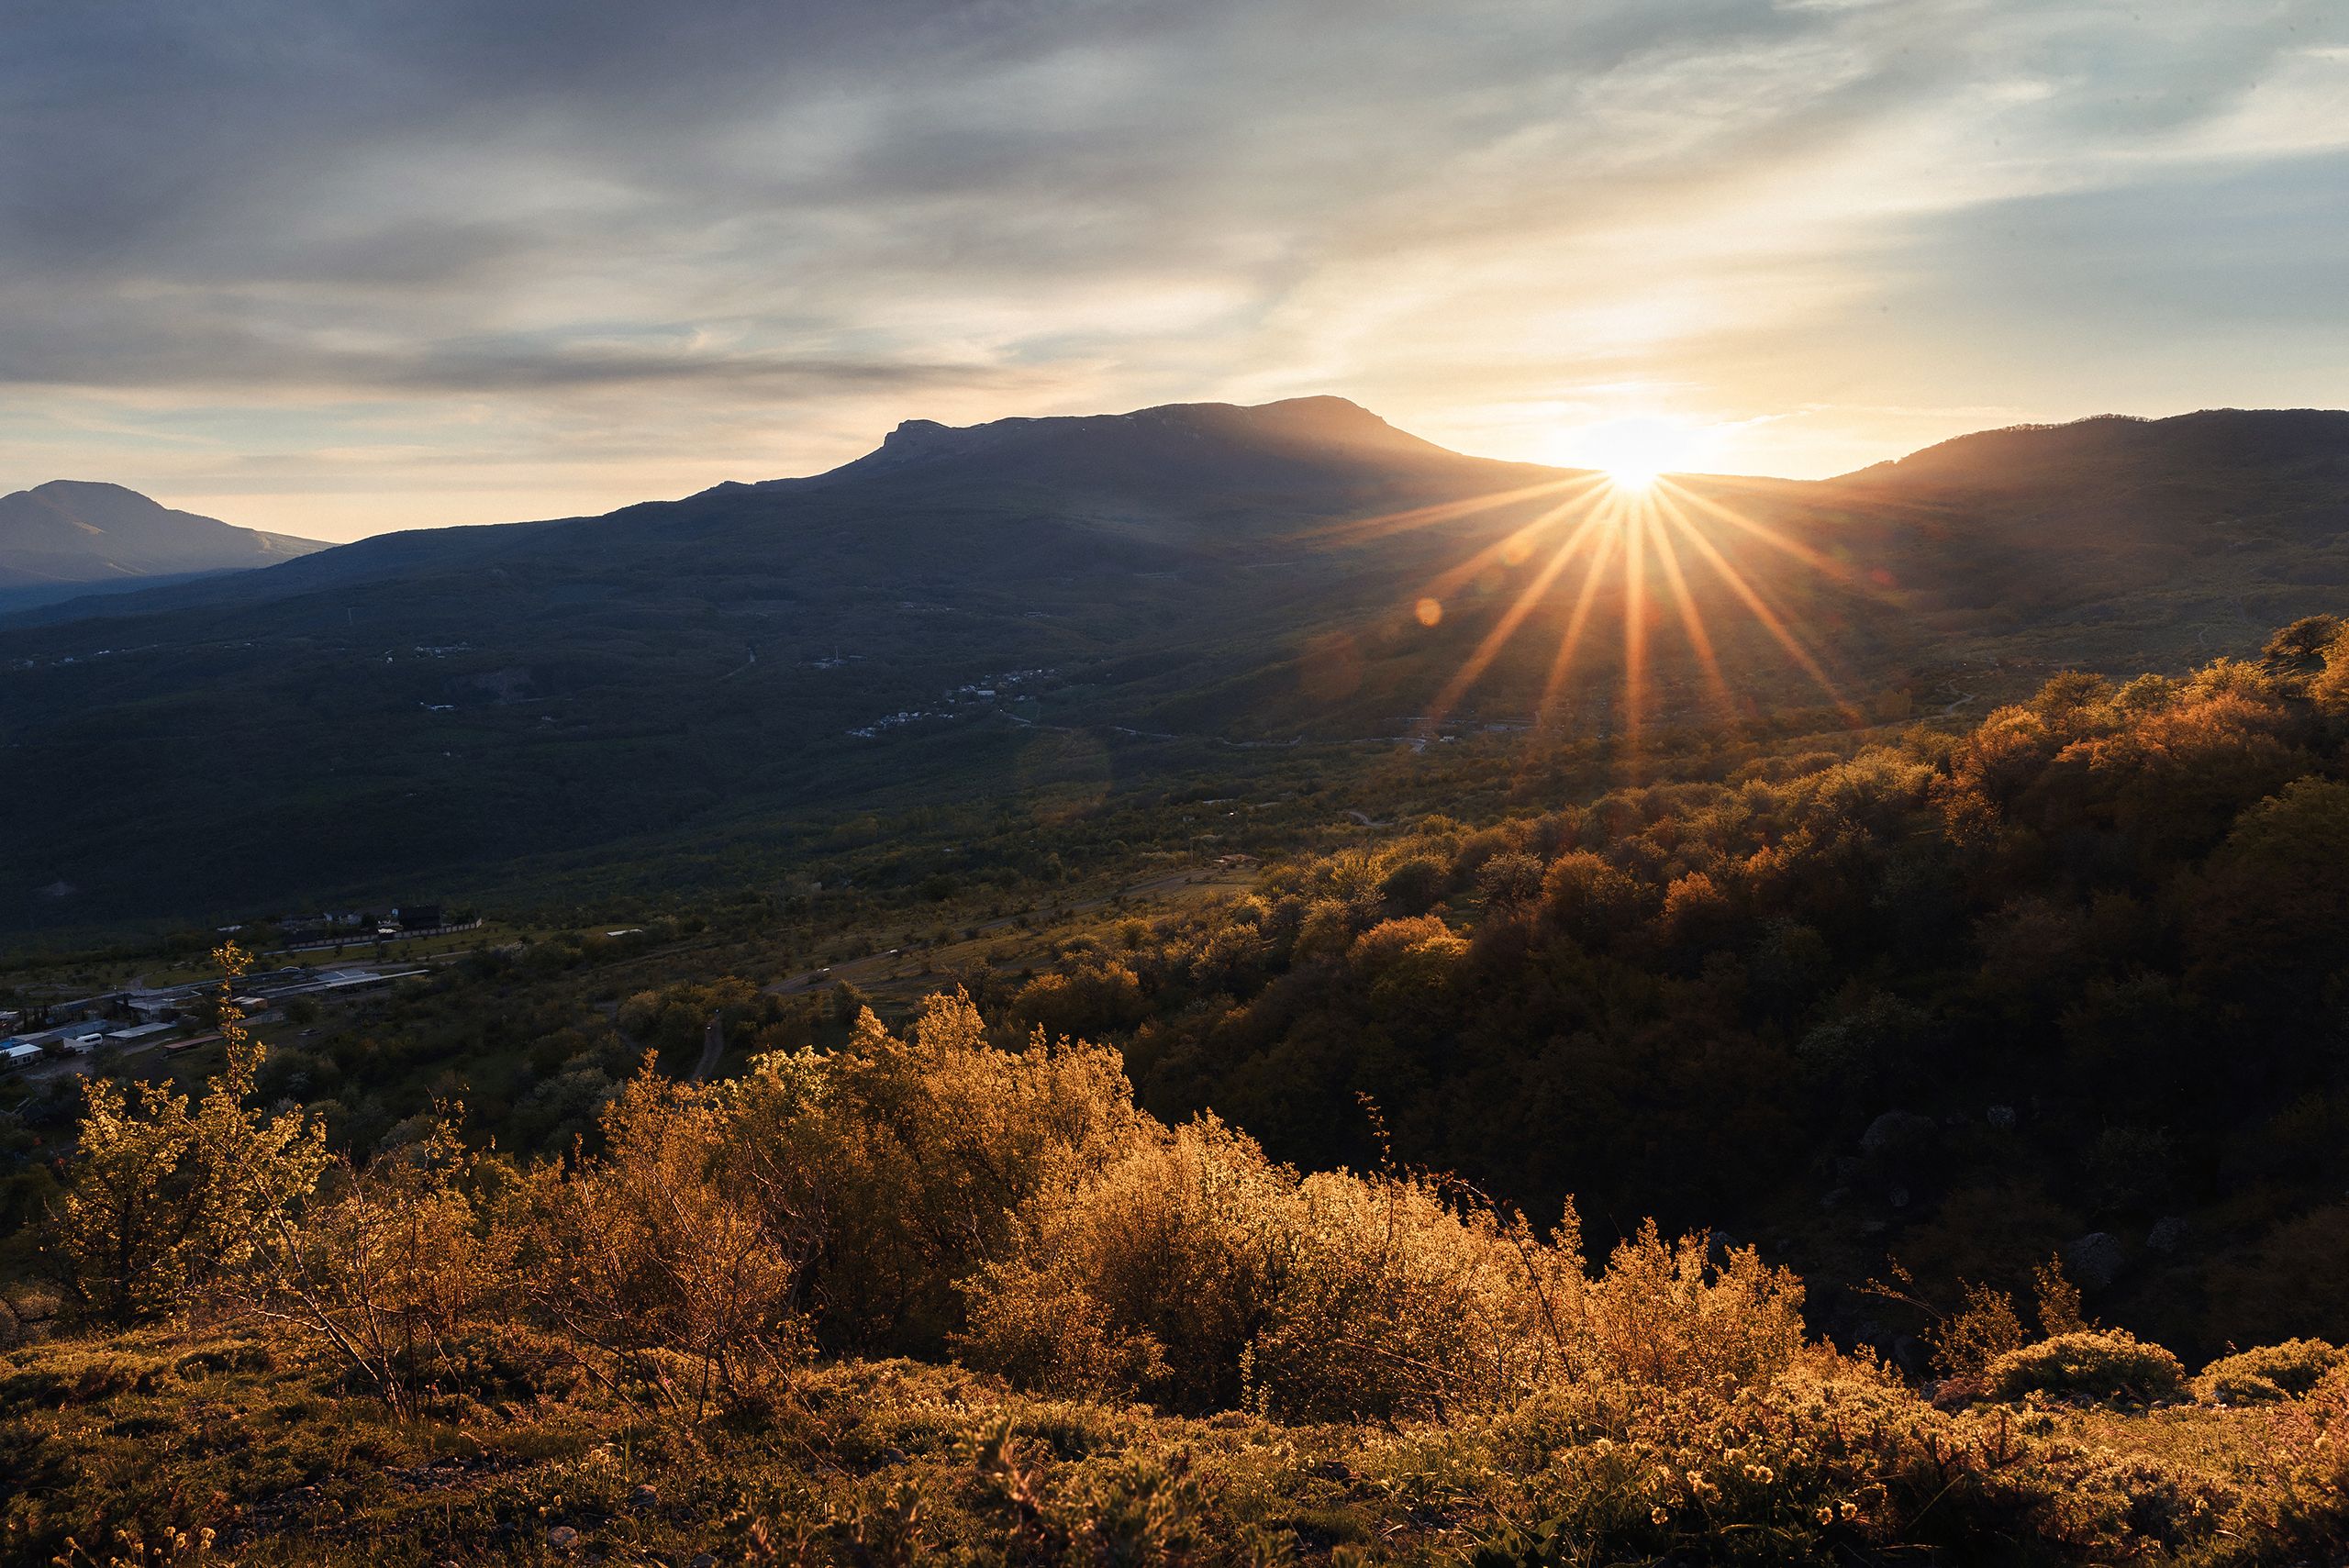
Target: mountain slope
[(69, 531), (432, 705)]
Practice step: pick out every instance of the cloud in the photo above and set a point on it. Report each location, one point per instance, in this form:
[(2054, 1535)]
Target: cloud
[(749, 237)]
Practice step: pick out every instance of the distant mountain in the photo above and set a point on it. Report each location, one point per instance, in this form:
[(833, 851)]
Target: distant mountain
[(1152, 589), (72, 535)]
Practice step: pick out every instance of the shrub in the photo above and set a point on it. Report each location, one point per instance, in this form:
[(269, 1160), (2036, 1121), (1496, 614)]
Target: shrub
[(2268, 1374), (1196, 1272), (2097, 1364), (2298, 1509), (677, 1281), (914, 1155), (1831, 1462)]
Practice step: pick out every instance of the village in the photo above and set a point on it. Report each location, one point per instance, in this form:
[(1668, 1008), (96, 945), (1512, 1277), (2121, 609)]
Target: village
[(183, 1015)]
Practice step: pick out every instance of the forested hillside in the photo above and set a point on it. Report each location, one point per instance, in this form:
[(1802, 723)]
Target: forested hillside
[(2070, 980)]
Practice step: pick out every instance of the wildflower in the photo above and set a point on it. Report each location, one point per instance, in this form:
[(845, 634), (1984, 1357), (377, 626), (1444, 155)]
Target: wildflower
[(1826, 1513), (1657, 1515)]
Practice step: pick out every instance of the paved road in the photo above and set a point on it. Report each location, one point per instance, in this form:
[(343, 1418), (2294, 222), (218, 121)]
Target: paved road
[(713, 1042)]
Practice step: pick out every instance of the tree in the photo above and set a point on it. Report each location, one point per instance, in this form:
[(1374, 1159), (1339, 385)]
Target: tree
[(165, 1199)]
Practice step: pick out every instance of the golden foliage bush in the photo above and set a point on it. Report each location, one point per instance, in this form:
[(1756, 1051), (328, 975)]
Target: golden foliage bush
[(1196, 1273), (2269, 1374), (912, 1157), (2108, 1365), (1832, 1461), (648, 1259)]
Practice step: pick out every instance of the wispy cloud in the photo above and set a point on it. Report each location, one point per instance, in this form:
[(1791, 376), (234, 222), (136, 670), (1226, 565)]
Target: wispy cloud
[(424, 260)]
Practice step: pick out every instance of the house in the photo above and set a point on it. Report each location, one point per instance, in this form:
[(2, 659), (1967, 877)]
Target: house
[(15, 1056), (139, 1034)]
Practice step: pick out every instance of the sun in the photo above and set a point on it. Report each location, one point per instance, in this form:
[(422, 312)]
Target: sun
[(1633, 451), (1630, 473)]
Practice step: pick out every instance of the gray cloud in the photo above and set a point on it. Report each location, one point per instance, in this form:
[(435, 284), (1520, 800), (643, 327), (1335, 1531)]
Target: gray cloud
[(812, 212)]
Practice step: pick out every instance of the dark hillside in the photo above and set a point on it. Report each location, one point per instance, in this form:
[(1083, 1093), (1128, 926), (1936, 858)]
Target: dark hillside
[(440, 703)]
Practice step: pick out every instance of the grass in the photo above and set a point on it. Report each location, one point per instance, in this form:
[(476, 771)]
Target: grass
[(132, 1449), (162, 1436)]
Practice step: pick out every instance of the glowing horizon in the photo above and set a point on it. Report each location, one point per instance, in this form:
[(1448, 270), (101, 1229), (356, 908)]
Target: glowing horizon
[(334, 272)]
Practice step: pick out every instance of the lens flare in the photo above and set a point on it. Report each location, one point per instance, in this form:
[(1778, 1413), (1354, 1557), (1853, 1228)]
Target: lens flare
[(1657, 551)]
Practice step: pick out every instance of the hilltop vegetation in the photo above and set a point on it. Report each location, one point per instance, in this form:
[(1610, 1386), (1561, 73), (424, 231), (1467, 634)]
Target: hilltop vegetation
[(669, 1346), (1991, 1082)]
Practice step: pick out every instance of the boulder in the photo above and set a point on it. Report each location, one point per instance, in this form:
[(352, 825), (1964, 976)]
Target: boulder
[(2093, 1259), (2002, 1118), (1894, 1131), (2168, 1235)]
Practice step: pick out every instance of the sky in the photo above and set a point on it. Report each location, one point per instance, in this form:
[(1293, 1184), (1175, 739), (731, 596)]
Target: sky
[(333, 267)]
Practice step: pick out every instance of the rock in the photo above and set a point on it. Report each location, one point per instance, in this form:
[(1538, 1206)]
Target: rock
[(2168, 1235), (643, 1498), (1835, 1197), (1896, 1130), (1898, 1197), (2002, 1118), (2093, 1259), (563, 1538)]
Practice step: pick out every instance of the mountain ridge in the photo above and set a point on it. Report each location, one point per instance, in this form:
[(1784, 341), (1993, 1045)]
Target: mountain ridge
[(1203, 575)]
